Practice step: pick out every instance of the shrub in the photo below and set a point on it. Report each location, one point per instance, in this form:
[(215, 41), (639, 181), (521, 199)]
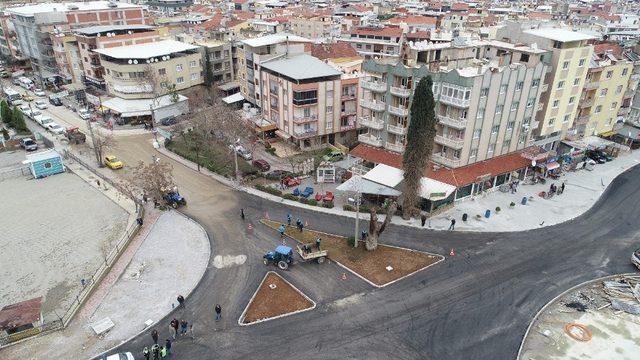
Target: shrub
[(347, 207), (268, 189), (313, 202), (271, 150), (328, 204), (351, 241), (303, 200), (512, 204), (498, 209), (290, 196)]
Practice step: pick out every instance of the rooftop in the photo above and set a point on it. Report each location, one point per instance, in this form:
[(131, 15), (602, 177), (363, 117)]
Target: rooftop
[(19, 314), (561, 35), (274, 39), (31, 10), (93, 30), (301, 67), (147, 50)]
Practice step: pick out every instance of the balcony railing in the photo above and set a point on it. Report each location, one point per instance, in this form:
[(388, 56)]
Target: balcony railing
[(373, 105), (400, 91), (624, 111), (585, 103), (591, 84), (372, 123), (454, 101), (454, 143), (374, 86), (449, 162), (581, 120), (304, 119), (400, 111), (370, 140), (348, 96), (394, 147), (302, 133), (396, 129), (628, 94), (451, 122)]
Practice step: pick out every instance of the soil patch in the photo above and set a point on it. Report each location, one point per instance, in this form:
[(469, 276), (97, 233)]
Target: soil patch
[(270, 301), (371, 265)]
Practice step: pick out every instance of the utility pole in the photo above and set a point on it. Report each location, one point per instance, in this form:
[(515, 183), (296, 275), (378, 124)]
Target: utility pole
[(355, 242), (93, 141)]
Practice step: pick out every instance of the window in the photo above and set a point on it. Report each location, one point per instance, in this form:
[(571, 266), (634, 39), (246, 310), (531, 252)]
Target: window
[(572, 99), (619, 89), (535, 82), (625, 71), (180, 80), (192, 63), (506, 144), (194, 76), (556, 103), (519, 85), (603, 92), (480, 113), (305, 97), (473, 152), (614, 105), (495, 128), (565, 65), (566, 119), (499, 109), (582, 61), (503, 89), (524, 58), (560, 84), (514, 105), (552, 121), (530, 103), (609, 74), (476, 133), (163, 84), (598, 109), (576, 81), (510, 125), (522, 138), (329, 124), (179, 67), (526, 120), (492, 148), (484, 92)]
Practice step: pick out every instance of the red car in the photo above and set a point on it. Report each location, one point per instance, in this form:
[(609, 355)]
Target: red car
[(290, 182), (262, 165)]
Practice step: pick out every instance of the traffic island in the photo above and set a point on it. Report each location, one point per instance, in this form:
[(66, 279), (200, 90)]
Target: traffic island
[(275, 298), (381, 267)]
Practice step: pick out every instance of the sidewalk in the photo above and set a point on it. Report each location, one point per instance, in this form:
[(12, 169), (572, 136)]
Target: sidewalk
[(583, 189), (141, 285)]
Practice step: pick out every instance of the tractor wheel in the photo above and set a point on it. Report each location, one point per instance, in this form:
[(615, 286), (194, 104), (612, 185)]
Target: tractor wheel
[(174, 205), (283, 265), (320, 260), (265, 262)]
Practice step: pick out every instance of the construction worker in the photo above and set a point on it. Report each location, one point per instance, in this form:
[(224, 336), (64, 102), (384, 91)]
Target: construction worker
[(281, 230), (289, 219), (146, 353), (318, 243)]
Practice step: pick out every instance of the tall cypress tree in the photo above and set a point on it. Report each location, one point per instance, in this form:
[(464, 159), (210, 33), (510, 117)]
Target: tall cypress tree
[(5, 112), (420, 135)]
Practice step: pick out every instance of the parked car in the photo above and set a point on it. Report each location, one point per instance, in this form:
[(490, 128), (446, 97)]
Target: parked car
[(595, 156), (120, 356), (279, 174), (55, 128), (169, 121), (27, 97), (43, 120), (41, 104), (242, 152), (113, 162), (261, 165), (603, 154), (635, 258), (55, 101), (84, 114), (334, 155), (28, 144), (39, 92)]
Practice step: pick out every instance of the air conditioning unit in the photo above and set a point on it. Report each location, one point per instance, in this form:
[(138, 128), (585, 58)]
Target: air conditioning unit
[(72, 7), (112, 4)]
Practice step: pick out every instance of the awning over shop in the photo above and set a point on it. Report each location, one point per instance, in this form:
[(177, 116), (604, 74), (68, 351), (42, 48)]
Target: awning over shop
[(552, 165), (140, 107), (389, 176), (594, 142), (364, 186), (435, 190), (233, 98)]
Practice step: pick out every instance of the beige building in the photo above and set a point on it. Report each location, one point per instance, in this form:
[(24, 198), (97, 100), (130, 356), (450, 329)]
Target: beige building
[(314, 27), (142, 71)]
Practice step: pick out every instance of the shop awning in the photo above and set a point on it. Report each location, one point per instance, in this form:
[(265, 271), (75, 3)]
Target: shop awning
[(233, 98), (391, 177), (140, 107), (361, 185), (552, 165)]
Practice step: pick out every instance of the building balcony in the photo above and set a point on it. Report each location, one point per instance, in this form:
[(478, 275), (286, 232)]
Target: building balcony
[(373, 105), (303, 134), (628, 94), (347, 127), (374, 86), (539, 107), (583, 119), (535, 124), (400, 91), (347, 96), (635, 77), (591, 84), (544, 87), (370, 140), (397, 129), (304, 119), (372, 123), (400, 111), (454, 143), (624, 111), (454, 101), (585, 103), (446, 161), (451, 122), (395, 147)]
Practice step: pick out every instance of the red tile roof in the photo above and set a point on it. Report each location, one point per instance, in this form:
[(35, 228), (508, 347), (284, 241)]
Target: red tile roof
[(457, 177), (615, 49), (460, 7), (333, 51), (419, 35), (22, 313), (413, 19), (539, 15), (385, 31)]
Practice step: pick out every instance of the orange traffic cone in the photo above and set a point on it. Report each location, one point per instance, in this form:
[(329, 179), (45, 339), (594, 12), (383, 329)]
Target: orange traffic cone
[(452, 253), (344, 276)]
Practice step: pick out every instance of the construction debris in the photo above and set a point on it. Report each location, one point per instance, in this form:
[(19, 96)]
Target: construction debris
[(624, 294)]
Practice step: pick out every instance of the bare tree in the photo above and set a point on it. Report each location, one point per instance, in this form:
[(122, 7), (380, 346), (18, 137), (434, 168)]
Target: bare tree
[(152, 179), (159, 86), (101, 143), (376, 228)]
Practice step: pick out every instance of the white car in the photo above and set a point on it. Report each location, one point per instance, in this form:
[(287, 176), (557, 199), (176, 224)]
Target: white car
[(41, 104), (120, 356), (43, 120), (24, 108), (84, 114), (240, 150), (55, 128), (39, 92)]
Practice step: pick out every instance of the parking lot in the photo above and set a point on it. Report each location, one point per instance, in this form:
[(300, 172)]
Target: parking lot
[(55, 232)]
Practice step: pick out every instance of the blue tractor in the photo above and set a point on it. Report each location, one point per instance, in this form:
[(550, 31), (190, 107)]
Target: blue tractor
[(173, 198), (282, 256)]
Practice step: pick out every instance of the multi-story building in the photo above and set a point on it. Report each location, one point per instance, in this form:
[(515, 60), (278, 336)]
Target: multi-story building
[(632, 107), (375, 42), (311, 102), (604, 92), (8, 41), (487, 94), (143, 71), (252, 52), (314, 27), (36, 24), (570, 56), (169, 6), (218, 56), (107, 36), (67, 56)]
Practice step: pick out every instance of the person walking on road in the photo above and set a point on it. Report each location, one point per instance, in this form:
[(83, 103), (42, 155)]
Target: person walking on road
[(242, 214), (453, 224), (191, 331), (155, 349), (561, 188), (281, 230), (318, 243), (154, 336), (146, 353), (423, 219), (174, 327), (218, 312), (289, 219), (180, 301), (167, 345), (183, 327)]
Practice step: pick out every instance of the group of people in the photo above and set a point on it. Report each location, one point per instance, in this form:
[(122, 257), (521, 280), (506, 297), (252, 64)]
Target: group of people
[(553, 189), (513, 186)]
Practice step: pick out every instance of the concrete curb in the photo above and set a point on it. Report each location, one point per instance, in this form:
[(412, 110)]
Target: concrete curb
[(244, 312), (552, 301)]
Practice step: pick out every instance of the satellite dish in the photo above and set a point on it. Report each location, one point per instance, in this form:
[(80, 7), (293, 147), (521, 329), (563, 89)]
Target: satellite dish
[(130, 61), (148, 61), (135, 61), (533, 163)]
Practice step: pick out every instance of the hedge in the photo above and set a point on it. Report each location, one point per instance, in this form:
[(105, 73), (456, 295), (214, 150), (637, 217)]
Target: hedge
[(268, 189)]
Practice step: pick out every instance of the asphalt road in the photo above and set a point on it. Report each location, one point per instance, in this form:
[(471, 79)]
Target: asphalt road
[(475, 305)]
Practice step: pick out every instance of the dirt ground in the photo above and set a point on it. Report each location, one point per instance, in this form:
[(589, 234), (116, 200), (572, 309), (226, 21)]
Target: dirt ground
[(268, 302), (371, 265)]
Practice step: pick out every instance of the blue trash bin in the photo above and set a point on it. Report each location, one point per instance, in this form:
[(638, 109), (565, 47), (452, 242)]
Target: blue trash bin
[(524, 200), (487, 213)]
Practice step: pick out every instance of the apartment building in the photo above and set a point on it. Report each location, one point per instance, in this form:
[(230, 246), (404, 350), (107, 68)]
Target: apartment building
[(36, 24), (314, 27), (604, 92), (218, 56), (487, 94), (252, 52), (311, 102), (631, 107), (67, 57), (169, 6), (107, 36), (570, 56), (143, 71), (375, 41), (8, 42)]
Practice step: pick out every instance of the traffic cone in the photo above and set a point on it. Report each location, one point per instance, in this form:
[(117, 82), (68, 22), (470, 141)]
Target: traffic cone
[(452, 253), (344, 276)]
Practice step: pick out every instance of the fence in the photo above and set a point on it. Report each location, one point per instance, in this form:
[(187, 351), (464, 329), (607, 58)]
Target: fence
[(90, 283), (10, 173)]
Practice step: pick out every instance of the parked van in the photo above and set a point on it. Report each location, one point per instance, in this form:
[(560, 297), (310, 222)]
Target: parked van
[(26, 83)]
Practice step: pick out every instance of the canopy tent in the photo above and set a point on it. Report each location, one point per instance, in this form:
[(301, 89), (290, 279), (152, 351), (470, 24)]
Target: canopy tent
[(359, 184), (140, 107), (390, 176), (233, 98)]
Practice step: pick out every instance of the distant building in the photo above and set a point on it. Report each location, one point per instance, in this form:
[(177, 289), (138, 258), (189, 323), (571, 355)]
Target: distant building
[(169, 6), (375, 42), (217, 55)]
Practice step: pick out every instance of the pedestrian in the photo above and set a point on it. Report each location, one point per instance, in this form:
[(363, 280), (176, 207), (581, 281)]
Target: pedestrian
[(318, 243), (242, 214), (423, 219), (154, 336), (174, 327), (218, 312), (289, 219), (144, 198), (562, 188), (155, 349), (298, 223), (139, 221), (584, 164), (181, 301), (281, 230), (163, 352), (191, 331), (183, 327), (363, 235), (453, 224), (167, 345), (146, 353)]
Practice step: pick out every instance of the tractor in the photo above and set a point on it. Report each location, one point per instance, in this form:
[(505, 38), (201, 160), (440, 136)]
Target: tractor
[(282, 256), (75, 136), (173, 198)]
